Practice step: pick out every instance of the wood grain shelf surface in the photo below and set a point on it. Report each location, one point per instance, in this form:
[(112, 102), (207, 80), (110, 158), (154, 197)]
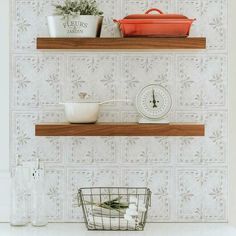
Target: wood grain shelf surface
[(120, 129), (121, 43)]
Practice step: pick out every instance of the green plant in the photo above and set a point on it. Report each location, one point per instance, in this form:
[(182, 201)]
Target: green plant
[(77, 7), (114, 204)]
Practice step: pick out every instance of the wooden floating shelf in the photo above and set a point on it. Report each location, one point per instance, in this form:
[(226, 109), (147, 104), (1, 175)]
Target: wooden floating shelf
[(119, 129), (121, 43)]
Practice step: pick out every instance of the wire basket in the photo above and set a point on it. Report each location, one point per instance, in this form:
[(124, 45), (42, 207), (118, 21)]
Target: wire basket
[(115, 208)]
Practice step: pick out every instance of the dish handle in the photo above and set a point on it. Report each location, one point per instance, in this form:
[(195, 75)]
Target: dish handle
[(115, 100), (154, 9)]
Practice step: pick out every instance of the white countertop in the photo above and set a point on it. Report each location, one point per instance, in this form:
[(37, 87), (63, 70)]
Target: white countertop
[(168, 229)]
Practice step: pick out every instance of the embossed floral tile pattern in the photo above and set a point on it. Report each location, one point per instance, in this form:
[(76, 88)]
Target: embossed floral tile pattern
[(195, 81), (187, 175), (207, 86), (211, 20), (197, 191), (36, 80)]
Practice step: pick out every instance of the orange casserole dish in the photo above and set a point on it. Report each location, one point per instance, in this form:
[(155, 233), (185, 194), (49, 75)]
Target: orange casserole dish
[(155, 25)]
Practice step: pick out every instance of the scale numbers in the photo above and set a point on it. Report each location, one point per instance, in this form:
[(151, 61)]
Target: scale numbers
[(153, 102)]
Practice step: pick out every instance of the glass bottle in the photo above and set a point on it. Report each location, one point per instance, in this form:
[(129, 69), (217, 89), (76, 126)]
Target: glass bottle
[(39, 214), (19, 197)]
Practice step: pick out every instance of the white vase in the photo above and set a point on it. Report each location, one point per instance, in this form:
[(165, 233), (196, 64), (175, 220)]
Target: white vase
[(79, 26)]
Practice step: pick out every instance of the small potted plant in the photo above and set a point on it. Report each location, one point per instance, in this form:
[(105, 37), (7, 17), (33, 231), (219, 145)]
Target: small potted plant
[(76, 18)]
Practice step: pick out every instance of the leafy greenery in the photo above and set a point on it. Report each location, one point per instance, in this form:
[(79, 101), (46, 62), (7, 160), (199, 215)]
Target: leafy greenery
[(114, 204), (77, 7)]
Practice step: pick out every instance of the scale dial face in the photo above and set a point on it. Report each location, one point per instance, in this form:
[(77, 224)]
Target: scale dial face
[(153, 102)]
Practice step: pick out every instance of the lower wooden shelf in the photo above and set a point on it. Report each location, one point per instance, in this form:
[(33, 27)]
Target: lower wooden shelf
[(120, 129)]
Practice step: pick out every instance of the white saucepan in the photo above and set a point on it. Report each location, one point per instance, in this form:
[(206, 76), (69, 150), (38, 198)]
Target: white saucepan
[(84, 112)]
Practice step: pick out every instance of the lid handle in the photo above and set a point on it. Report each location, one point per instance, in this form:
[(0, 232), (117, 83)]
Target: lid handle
[(153, 9)]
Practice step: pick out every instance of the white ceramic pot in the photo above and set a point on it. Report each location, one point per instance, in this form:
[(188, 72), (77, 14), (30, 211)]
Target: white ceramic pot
[(80, 26), (84, 112)]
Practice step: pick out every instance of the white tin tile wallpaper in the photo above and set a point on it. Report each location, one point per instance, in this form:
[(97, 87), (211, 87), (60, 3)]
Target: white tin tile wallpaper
[(188, 176)]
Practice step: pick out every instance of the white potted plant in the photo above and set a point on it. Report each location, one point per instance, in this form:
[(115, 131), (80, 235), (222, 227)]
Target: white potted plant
[(76, 18)]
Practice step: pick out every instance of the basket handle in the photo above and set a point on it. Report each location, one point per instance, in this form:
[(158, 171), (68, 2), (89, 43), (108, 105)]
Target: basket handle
[(78, 198), (154, 9), (150, 197)]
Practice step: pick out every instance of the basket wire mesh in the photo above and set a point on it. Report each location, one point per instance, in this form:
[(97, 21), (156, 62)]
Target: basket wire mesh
[(114, 208)]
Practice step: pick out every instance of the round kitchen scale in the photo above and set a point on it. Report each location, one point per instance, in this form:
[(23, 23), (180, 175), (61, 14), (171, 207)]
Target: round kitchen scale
[(153, 102)]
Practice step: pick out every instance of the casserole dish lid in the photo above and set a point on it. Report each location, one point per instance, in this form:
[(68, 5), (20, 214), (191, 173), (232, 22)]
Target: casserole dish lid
[(161, 15)]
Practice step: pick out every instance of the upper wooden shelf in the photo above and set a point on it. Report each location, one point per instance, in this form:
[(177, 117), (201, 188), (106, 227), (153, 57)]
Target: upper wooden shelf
[(119, 129), (121, 43)]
